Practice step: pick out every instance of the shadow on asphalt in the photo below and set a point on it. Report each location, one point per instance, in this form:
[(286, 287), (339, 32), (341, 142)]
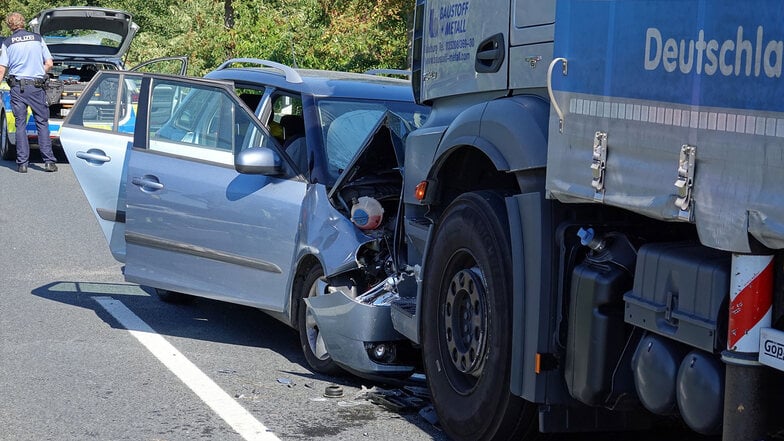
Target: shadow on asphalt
[(201, 319), (222, 322), (208, 320)]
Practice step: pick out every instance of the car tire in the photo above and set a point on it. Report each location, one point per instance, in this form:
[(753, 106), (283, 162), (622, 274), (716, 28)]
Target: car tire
[(173, 297), (309, 337), (467, 305), (7, 151)]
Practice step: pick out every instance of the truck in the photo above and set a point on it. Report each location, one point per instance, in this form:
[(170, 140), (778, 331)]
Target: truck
[(584, 233), (591, 224)]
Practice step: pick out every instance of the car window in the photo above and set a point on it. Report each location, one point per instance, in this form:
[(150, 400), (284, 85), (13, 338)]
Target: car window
[(287, 124), (110, 106), (200, 123), (92, 37), (347, 124), (70, 72), (286, 121), (251, 97)]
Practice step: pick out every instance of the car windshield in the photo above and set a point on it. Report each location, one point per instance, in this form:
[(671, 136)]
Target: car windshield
[(346, 124)]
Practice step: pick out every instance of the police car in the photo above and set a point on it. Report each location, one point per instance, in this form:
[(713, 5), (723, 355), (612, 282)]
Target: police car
[(82, 41)]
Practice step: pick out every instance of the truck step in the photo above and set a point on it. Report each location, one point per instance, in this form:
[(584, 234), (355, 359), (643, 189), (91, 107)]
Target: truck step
[(404, 317)]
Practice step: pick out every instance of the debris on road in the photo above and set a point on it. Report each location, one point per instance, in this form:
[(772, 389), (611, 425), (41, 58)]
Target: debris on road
[(287, 381), (333, 391)]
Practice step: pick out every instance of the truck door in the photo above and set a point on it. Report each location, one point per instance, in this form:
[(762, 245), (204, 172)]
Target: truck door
[(462, 52), (531, 42)]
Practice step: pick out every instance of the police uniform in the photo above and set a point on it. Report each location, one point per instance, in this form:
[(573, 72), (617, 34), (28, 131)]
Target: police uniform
[(23, 54)]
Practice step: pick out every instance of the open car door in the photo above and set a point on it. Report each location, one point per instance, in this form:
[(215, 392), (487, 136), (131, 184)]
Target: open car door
[(96, 137), (200, 199), (164, 65)]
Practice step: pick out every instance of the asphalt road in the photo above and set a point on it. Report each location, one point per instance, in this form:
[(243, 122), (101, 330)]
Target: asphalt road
[(71, 370), (86, 356)]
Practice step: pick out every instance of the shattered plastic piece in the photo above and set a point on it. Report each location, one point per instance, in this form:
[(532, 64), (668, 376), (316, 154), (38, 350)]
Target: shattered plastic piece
[(418, 391), (384, 293), (363, 392), (429, 414), (333, 391), (287, 381), (368, 392), (396, 401), (350, 403), (253, 394), (418, 377)]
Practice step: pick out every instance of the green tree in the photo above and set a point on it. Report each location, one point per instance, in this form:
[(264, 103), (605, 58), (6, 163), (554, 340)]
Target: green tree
[(349, 35)]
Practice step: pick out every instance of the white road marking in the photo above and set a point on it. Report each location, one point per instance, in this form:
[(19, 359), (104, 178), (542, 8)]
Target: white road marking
[(216, 398)]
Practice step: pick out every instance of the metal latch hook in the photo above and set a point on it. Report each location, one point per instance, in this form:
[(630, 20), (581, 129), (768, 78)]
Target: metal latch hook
[(550, 89)]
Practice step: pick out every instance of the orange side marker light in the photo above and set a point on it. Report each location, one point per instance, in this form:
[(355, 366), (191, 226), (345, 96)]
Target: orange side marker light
[(420, 191)]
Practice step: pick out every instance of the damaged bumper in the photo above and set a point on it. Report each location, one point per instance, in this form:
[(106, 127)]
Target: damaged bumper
[(359, 336)]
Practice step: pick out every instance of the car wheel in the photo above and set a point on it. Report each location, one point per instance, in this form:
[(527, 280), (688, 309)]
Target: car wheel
[(313, 346), (7, 152), (173, 297), (467, 306)]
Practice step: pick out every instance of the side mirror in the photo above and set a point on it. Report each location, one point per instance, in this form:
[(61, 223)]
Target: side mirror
[(258, 161)]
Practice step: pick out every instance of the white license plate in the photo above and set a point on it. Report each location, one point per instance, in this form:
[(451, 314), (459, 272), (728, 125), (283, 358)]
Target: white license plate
[(771, 351), (64, 112)]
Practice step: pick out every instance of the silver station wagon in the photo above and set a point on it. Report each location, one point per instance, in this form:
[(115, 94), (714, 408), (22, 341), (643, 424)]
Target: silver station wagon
[(261, 185)]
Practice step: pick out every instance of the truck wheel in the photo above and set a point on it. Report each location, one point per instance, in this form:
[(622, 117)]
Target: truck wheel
[(313, 346), (7, 152), (468, 324)]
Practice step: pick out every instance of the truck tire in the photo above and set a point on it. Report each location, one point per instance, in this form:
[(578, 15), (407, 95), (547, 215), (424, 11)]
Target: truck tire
[(468, 321), (7, 151), (312, 346)]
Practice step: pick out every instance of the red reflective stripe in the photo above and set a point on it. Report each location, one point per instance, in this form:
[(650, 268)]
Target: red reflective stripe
[(750, 305)]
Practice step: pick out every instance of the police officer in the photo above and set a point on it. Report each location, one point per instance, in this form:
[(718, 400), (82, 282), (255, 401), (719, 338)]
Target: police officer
[(26, 59)]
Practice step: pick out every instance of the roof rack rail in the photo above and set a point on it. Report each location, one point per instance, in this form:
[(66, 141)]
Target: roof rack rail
[(291, 75), (403, 72)]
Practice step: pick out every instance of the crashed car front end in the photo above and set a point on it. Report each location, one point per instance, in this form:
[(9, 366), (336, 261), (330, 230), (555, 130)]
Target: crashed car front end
[(364, 275), (358, 331)]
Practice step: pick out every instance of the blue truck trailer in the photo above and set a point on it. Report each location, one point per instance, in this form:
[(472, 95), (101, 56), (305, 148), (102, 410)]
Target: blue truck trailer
[(592, 217)]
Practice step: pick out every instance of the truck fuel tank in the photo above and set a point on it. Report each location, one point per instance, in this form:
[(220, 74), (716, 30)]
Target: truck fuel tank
[(597, 367)]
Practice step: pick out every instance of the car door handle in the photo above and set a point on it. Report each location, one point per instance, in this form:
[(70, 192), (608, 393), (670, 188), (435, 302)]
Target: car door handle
[(147, 183), (93, 156)]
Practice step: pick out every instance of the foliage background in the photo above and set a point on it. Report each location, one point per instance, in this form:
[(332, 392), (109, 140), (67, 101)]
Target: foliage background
[(347, 35)]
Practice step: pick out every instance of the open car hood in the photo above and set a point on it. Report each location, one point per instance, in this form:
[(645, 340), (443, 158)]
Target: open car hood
[(85, 32), (381, 152)]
